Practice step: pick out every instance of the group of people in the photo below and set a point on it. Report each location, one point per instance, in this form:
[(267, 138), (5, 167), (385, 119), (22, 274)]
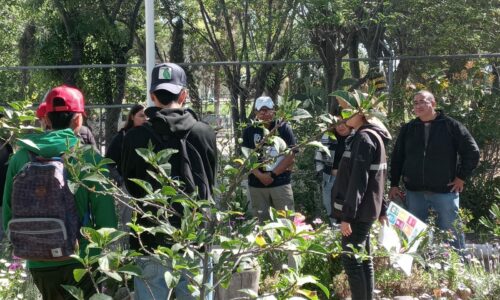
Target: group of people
[(433, 155)]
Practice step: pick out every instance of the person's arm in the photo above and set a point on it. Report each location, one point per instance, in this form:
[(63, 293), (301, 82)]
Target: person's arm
[(102, 205), (132, 165), (397, 161), (114, 150), (469, 156), (468, 151)]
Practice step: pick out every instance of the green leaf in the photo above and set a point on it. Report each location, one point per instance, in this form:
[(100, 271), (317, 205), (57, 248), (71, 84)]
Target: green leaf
[(146, 186), (345, 99), (168, 190), (251, 293), (300, 114), (326, 118), (104, 263), (246, 151), (113, 274), (91, 234), (95, 178), (320, 147), (78, 274), (306, 279), (101, 296), (131, 270), (347, 113), (312, 295), (317, 248), (273, 225), (324, 289), (170, 279), (74, 291)]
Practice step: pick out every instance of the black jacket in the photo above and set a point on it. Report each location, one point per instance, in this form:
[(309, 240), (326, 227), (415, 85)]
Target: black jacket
[(114, 150), (359, 187), (173, 123), (451, 152)]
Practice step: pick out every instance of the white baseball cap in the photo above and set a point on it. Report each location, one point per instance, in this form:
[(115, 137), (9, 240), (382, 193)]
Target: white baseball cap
[(264, 101)]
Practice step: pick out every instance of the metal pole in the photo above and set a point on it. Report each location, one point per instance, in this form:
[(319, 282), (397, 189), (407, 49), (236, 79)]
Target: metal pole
[(150, 45)]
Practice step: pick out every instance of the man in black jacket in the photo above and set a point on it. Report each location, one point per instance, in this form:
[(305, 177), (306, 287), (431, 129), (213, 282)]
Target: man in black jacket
[(168, 121), (434, 154)]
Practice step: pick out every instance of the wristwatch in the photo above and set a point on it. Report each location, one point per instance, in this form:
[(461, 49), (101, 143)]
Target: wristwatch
[(273, 175)]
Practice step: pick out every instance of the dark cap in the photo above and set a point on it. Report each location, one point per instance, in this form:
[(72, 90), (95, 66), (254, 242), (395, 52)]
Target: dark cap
[(168, 76)]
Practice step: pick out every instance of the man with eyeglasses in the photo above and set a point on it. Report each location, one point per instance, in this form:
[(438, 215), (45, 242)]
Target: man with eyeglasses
[(269, 184), (434, 155)]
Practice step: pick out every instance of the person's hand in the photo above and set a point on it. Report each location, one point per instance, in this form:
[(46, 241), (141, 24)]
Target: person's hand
[(383, 220), (345, 228), (457, 185), (266, 179), (395, 192)]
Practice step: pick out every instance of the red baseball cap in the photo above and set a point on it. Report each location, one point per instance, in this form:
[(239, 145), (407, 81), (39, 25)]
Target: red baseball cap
[(41, 110), (72, 97)]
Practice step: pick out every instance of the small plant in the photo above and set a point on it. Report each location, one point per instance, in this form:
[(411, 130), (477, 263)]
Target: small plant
[(15, 281), (493, 223)]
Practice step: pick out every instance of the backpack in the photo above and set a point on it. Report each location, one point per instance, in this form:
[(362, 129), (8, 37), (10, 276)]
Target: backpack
[(45, 223), (192, 171)]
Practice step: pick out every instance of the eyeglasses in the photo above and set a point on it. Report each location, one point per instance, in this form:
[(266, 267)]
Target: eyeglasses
[(421, 102), (265, 110)]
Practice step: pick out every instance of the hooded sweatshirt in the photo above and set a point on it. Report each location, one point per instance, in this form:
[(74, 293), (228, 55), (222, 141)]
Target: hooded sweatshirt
[(52, 144), (361, 176), (171, 125)]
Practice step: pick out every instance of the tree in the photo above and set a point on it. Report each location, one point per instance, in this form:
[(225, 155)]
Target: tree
[(332, 31)]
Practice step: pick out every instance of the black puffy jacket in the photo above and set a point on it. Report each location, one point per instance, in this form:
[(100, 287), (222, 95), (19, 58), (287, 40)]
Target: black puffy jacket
[(451, 152)]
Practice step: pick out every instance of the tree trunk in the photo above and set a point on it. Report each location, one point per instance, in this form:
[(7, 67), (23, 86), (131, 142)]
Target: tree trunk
[(26, 44), (235, 115), (353, 53)]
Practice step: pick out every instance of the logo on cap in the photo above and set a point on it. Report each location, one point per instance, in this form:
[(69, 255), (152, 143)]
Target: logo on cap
[(165, 73)]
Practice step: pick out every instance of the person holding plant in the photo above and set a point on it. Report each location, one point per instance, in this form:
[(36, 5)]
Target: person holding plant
[(358, 192), (269, 185), (434, 155)]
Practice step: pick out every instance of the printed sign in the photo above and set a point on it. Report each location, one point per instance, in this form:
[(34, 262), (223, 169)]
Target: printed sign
[(410, 225)]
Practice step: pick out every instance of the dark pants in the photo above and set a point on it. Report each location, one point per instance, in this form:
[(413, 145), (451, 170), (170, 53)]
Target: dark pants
[(359, 273), (49, 281)]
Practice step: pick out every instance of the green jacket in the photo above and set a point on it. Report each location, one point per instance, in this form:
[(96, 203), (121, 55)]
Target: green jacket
[(50, 144)]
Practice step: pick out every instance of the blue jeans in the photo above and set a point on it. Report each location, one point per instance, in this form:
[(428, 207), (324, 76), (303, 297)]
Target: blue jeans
[(360, 274), (152, 285), (326, 186), (446, 206)]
